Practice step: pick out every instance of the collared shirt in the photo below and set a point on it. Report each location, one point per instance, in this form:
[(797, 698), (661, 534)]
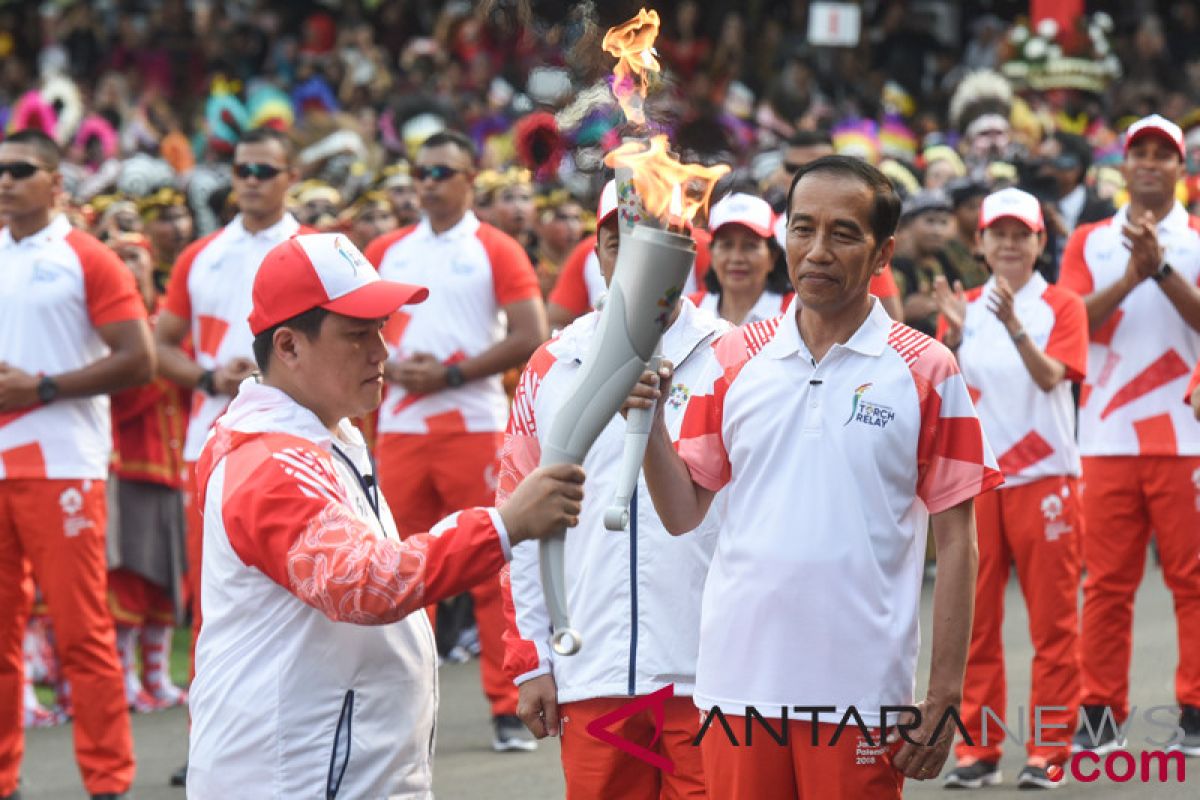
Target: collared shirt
[(768, 305), (211, 287), (831, 470), (57, 286), (1033, 431), (1140, 358), (472, 271), (1071, 206)]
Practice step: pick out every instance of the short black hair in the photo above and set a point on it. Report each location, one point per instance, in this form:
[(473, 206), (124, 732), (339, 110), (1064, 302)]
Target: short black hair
[(263, 135), (1075, 145), (307, 322), (47, 149), (455, 138), (810, 138), (885, 210)]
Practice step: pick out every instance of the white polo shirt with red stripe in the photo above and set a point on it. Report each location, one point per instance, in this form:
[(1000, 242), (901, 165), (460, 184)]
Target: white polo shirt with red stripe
[(1139, 360), (769, 304), (472, 271), (57, 286), (1033, 432), (831, 471), (211, 287)]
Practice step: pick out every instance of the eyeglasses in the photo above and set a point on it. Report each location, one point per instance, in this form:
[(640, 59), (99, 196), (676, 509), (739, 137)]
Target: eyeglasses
[(264, 172), (20, 170), (438, 173)]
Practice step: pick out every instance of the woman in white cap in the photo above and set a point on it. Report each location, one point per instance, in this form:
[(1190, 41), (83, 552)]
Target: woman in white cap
[(1020, 343), (748, 281)]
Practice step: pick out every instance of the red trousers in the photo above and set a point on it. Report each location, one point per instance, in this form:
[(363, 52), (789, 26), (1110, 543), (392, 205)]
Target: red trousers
[(596, 770), (428, 477), (850, 769), (58, 528), (1127, 499), (1037, 527), (134, 600)]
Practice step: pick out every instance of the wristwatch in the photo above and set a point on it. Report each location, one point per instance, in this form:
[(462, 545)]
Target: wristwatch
[(205, 383), (47, 390), (454, 376), (1163, 271)]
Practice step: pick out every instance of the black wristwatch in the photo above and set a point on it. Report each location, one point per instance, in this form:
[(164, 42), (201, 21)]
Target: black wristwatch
[(205, 383), (1163, 271), (47, 390), (454, 376)]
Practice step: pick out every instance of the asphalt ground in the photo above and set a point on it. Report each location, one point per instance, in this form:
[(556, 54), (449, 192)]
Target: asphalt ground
[(467, 769)]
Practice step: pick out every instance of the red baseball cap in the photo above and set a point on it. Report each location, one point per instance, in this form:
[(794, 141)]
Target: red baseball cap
[(1160, 125), (1012, 203), (743, 209), (323, 270), (608, 203)]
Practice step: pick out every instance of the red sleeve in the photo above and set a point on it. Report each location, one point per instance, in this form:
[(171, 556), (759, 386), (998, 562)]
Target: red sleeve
[(379, 245), (109, 289), (1073, 272), (1068, 341), (179, 298), (1193, 385), (570, 290), (703, 240), (513, 277), (883, 285), (286, 515)]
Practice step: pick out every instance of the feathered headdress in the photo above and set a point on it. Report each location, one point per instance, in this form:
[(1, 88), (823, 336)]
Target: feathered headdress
[(980, 93)]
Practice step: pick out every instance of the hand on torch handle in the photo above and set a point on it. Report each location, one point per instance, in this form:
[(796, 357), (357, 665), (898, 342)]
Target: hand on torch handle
[(638, 422), (652, 266)]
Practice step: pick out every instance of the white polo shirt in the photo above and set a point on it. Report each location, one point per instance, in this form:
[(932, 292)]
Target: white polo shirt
[(472, 271), (1033, 432), (57, 286), (1140, 359), (769, 304), (830, 472), (211, 286)]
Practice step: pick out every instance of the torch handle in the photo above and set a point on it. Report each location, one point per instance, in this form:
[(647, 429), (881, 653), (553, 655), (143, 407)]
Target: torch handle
[(637, 434)]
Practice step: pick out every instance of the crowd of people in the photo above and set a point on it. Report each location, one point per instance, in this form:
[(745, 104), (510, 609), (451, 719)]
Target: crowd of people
[(1025, 200)]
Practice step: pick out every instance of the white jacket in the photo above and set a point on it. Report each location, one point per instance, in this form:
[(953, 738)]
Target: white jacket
[(633, 596), (313, 679)]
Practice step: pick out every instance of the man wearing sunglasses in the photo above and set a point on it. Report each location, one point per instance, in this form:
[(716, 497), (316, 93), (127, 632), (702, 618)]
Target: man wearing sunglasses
[(443, 416), (72, 330), (208, 297)]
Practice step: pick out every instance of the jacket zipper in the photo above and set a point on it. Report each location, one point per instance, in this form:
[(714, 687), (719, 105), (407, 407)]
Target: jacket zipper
[(633, 596)]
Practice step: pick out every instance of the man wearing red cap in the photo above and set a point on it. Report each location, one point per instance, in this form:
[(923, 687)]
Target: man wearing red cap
[(1137, 272), (313, 674)]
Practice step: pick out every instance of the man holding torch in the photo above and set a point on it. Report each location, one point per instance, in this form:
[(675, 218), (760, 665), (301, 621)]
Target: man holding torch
[(837, 435)]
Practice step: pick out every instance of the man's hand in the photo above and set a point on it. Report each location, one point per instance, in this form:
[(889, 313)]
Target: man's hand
[(420, 374), (537, 705), (952, 305), (924, 760), (18, 389), (646, 392), (1145, 253), (229, 376), (547, 502)]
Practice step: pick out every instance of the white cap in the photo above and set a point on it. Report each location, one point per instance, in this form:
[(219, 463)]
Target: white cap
[(743, 209), (781, 230), (1013, 203), (608, 203), (1156, 124)]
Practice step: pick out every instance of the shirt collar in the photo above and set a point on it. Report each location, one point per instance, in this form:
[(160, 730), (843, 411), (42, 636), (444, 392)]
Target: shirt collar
[(281, 230), (869, 340), (467, 226), (58, 227)]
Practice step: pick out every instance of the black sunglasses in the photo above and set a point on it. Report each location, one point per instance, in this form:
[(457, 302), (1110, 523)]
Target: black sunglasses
[(20, 170), (264, 172), (438, 172)]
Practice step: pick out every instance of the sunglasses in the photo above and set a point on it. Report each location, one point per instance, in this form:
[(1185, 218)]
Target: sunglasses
[(20, 170), (264, 172), (438, 173)]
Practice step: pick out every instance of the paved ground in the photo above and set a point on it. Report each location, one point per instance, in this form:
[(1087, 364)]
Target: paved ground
[(466, 768)]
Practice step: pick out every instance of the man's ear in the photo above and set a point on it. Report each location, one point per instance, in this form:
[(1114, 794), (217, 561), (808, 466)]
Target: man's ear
[(885, 254), (285, 346)]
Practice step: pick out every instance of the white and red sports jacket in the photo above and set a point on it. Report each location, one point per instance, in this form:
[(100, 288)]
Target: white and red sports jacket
[(313, 676), (634, 595)]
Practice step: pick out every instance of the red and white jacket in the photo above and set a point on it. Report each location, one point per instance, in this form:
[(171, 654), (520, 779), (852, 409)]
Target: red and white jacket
[(634, 596), (313, 676)]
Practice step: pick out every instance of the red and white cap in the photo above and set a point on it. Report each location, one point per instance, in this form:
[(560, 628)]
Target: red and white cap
[(608, 203), (323, 270), (743, 209), (1012, 203), (1156, 124)]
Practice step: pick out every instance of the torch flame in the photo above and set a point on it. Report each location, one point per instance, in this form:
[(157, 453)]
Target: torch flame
[(632, 43), (659, 178)]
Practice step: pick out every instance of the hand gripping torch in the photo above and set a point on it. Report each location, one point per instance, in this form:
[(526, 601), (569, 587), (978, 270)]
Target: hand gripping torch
[(652, 266)]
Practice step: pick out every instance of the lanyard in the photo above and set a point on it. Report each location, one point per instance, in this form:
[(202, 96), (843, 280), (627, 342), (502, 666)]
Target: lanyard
[(368, 483)]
